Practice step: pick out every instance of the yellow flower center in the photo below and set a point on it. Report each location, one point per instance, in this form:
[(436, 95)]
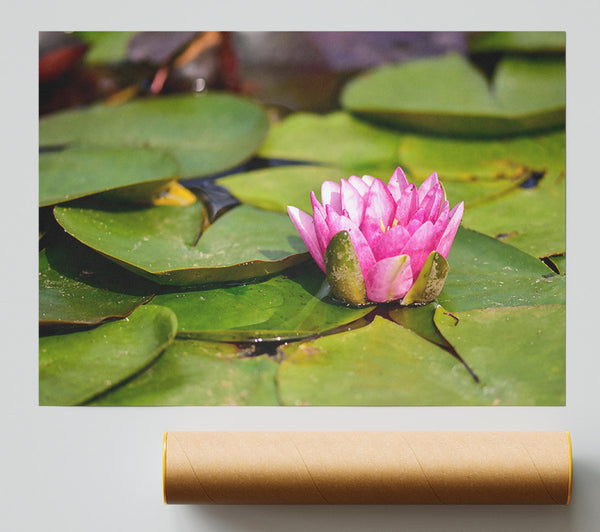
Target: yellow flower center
[(383, 228)]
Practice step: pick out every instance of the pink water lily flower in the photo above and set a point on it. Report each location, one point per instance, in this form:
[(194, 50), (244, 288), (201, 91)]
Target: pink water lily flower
[(400, 235)]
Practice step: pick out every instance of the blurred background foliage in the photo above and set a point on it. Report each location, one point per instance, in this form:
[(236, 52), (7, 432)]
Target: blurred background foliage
[(291, 71)]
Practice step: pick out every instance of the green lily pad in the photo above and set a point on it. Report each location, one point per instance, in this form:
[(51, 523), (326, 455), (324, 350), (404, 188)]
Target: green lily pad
[(295, 305), (477, 192), (487, 273), (79, 286), (448, 95), (532, 219), (336, 138), (471, 160), (76, 367), (518, 41), (515, 77), (200, 373), (380, 364), (482, 171), (518, 353), (206, 133), (158, 242), (276, 188), (136, 173), (484, 273), (106, 46), (420, 321)]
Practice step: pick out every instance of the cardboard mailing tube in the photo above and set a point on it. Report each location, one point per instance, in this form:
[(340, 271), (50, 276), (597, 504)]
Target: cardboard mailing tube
[(367, 467)]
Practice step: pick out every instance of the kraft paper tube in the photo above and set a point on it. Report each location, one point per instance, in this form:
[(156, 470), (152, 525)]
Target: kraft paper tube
[(367, 467)]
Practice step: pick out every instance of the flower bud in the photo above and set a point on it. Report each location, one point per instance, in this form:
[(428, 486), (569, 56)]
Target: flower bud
[(379, 243)]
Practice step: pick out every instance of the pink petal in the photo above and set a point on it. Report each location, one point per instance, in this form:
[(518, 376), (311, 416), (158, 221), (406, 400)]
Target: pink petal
[(441, 223), (419, 247), (407, 205), (447, 238), (445, 209), (389, 279), (371, 230), (397, 183), (337, 223), (416, 222), (431, 203), (352, 202), (427, 185), (368, 180), (330, 195), (413, 225), (304, 224), (359, 185), (380, 205), (419, 215), (391, 242), (319, 223)]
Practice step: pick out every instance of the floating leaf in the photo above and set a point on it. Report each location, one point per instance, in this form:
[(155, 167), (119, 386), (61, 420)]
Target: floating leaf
[(158, 242), (518, 41), (518, 353), (532, 219), (148, 238), (79, 286), (419, 320), (534, 89), (295, 305), (380, 364), (336, 138), (483, 171), (469, 160), (207, 133), (487, 273), (448, 95), (276, 188), (106, 46), (484, 273), (200, 373), (475, 193), (135, 173), (76, 367)]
